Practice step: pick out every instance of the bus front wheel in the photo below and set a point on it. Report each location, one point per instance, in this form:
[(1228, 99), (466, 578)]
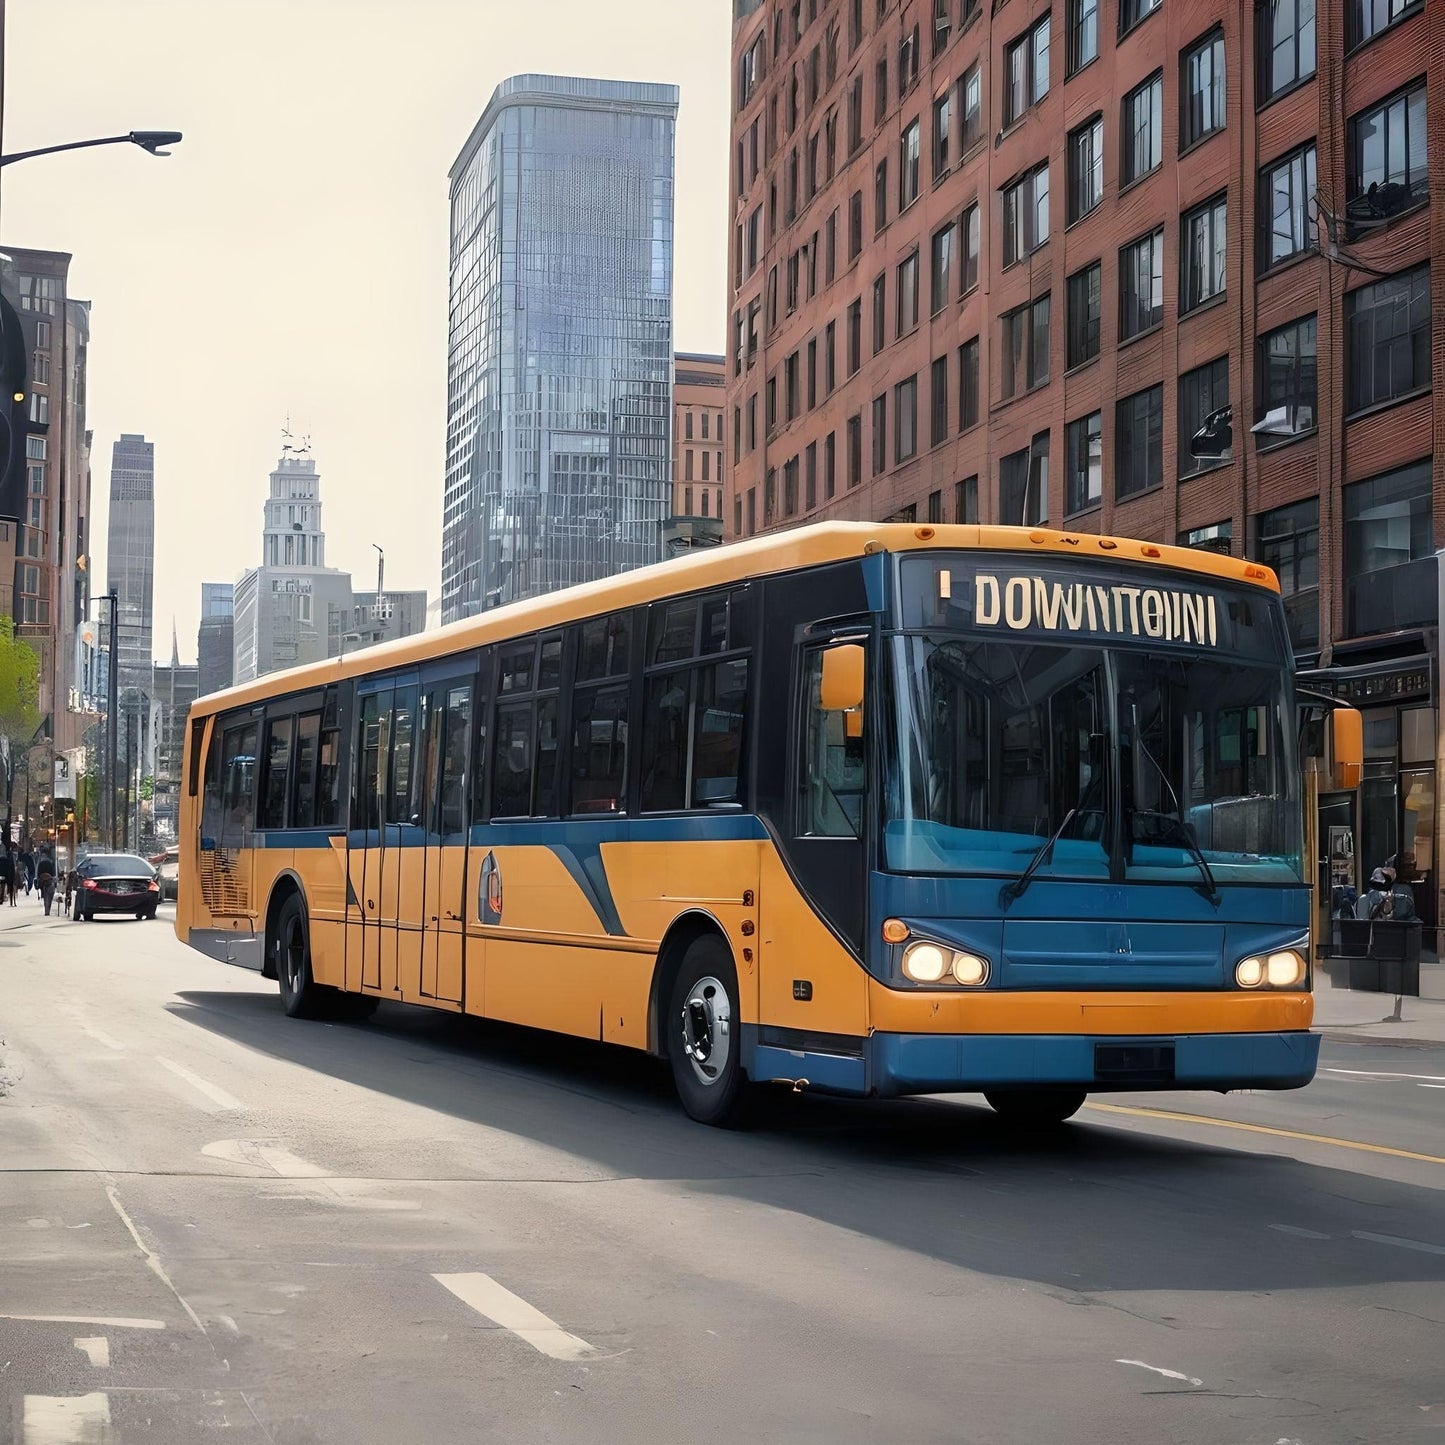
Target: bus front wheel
[(704, 1036), (1035, 1108), (301, 996)]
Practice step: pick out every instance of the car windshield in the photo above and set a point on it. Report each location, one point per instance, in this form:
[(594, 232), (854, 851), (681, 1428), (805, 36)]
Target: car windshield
[(117, 865), (1151, 762)]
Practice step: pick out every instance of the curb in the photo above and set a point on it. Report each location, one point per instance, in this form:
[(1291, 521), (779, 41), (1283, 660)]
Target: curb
[(1339, 1035)]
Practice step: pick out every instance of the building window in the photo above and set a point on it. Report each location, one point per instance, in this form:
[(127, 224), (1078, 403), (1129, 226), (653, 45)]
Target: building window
[(790, 487), (1026, 215), (42, 335), (1139, 443), (907, 293), (935, 506), (968, 272), (830, 248), (942, 125), (1141, 285), (855, 450), (1287, 382), (829, 486), (880, 196), (830, 361), (908, 62), (39, 408), (1217, 537), (1387, 339), (1285, 45), (40, 368), (942, 24), (1203, 392), (35, 478), (908, 167), (810, 477), (971, 109), (855, 337), (1387, 161), (790, 387), (855, 225), (965, 501), (750, 71), (1389, 567), (1084, 479), (1023, 485), (938, 401), (686, 466), (1026, 71), (880, 434), (880, 90), (38, 293), (880, 303), (1143, 128), (1202, 253), (1369, 17), (706, 457), (968, 384), (1288, 539), (941, 280), (1085, 309), (1131, 12), (1202, 83), (905, 418), (1025, 334), (1286, 190), (1086, 168), (1083, 33), (855, 114), (686, 429)]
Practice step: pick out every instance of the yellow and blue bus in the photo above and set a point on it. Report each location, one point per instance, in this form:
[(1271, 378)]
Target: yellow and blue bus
[(868, 809)]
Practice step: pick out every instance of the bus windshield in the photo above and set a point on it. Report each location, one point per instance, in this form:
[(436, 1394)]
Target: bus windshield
[(1143, 763)]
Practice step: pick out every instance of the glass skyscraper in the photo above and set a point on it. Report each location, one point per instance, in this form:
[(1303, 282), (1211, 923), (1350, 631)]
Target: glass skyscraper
[(560, 339), (130, 554)]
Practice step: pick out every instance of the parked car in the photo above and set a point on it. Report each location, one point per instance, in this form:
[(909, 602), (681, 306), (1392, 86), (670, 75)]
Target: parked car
[(168, 873), (115, 883)]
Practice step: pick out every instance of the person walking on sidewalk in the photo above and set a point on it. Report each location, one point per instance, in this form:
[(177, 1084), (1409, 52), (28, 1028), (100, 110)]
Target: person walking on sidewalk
[(45, 877), (7, 875), (27, 866)]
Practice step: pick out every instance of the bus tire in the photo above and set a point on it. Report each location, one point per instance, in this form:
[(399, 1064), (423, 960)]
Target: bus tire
[(704, 1036), (1035, 1108), (301, 996)]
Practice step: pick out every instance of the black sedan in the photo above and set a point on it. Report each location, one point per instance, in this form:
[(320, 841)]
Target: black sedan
[(115, 883)]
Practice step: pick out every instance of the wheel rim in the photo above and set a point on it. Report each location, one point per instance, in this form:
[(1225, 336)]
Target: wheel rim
[(293, 954), (707, 1030)]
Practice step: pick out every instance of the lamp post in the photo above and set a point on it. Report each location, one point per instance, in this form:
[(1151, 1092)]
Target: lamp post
[(147, 140)]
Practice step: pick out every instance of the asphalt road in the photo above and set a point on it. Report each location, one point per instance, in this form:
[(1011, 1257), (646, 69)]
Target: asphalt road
[(219, 1223)]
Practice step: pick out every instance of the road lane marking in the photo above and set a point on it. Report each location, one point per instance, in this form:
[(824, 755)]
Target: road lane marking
[(65, 1419), (1213, 1123), (1399, 1243), (108, 1322), (96, 1349), (1160, 1370), (104, 1038), (511, 1312), (1295, 1229), (152, 1260), (219, 1097), (1387, 1074), (259, 1154)]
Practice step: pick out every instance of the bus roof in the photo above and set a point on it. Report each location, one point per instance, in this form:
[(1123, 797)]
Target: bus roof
[(716, 566)]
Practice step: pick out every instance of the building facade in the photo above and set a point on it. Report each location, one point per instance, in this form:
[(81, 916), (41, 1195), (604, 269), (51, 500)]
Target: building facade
[(216, 638), (1151, 268), (698, 398), (130, 555), (174, 687), (293, 608), (384, 617), (560, 339), (44, 562)]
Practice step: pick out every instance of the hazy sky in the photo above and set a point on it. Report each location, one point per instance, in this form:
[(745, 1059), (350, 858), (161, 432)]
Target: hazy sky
[(291, 255)]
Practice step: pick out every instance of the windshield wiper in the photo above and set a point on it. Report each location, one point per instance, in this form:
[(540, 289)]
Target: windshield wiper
[(1015, 887), (1210, 889)]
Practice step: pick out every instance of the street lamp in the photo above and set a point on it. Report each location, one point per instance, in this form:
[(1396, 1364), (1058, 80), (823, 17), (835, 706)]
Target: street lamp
[(147, 140)]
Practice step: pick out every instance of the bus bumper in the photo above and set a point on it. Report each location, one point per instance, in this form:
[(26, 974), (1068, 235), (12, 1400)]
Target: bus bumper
[(947, 1063)]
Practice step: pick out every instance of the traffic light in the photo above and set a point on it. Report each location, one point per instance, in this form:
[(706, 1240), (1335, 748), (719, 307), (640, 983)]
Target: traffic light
[(12, 413)]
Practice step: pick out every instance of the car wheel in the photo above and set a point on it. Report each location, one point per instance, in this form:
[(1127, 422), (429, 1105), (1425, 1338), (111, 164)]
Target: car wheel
[(704, 1036), (150, 913)]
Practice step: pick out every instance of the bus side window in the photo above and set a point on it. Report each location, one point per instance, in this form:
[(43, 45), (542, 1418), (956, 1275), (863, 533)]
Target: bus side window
[(328, 771), (512, 762), (665, 742), (717, 742), (457, 721), (303, 809), (599, 750), (238, 787), (370, 764), (212, 812), (833, 774), (399, 807), (272, 810)]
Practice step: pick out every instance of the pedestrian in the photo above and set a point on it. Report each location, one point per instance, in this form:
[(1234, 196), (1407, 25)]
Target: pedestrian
[(7, 875), (27, 867), (1378, 902), (45, 877)]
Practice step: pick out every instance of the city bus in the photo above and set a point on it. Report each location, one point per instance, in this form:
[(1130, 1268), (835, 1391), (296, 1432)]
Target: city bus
[(865, 809)]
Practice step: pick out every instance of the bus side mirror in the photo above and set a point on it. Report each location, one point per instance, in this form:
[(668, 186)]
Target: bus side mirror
[(841, 685), (1347, 749)]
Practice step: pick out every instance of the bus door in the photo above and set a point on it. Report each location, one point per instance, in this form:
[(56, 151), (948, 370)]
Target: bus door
[(403, 851), (446, 712), (370, 769), (228, 816)]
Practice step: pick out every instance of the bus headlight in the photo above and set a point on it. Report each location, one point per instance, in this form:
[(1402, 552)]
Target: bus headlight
[(1249, 972), (1284, 970), (970, 970), (925, 962)]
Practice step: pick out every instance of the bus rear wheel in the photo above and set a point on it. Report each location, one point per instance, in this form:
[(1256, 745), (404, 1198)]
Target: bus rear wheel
[(1035, 1108), (704, 1036), (301, 996)]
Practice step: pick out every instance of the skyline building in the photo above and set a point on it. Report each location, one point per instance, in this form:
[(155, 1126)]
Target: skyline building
[(1151, 269), (560, 355), (699, 382), (293, 608), (174, 687), (130, 556), (216, 638)]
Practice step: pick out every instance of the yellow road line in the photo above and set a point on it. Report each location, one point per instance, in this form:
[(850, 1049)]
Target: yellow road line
[(1265, 1129)]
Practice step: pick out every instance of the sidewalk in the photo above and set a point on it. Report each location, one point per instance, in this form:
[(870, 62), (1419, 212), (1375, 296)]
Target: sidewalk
[(1353, 1015)]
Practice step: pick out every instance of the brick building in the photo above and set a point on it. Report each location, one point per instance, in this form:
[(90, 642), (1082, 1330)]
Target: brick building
[(1142, 266), (698, 394)]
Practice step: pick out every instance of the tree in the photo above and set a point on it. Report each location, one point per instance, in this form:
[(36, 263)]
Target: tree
[(19, 705)]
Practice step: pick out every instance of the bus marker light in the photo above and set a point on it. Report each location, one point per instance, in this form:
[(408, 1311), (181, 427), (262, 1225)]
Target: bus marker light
[(925, 962), (1151, 551), (895, 930)]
